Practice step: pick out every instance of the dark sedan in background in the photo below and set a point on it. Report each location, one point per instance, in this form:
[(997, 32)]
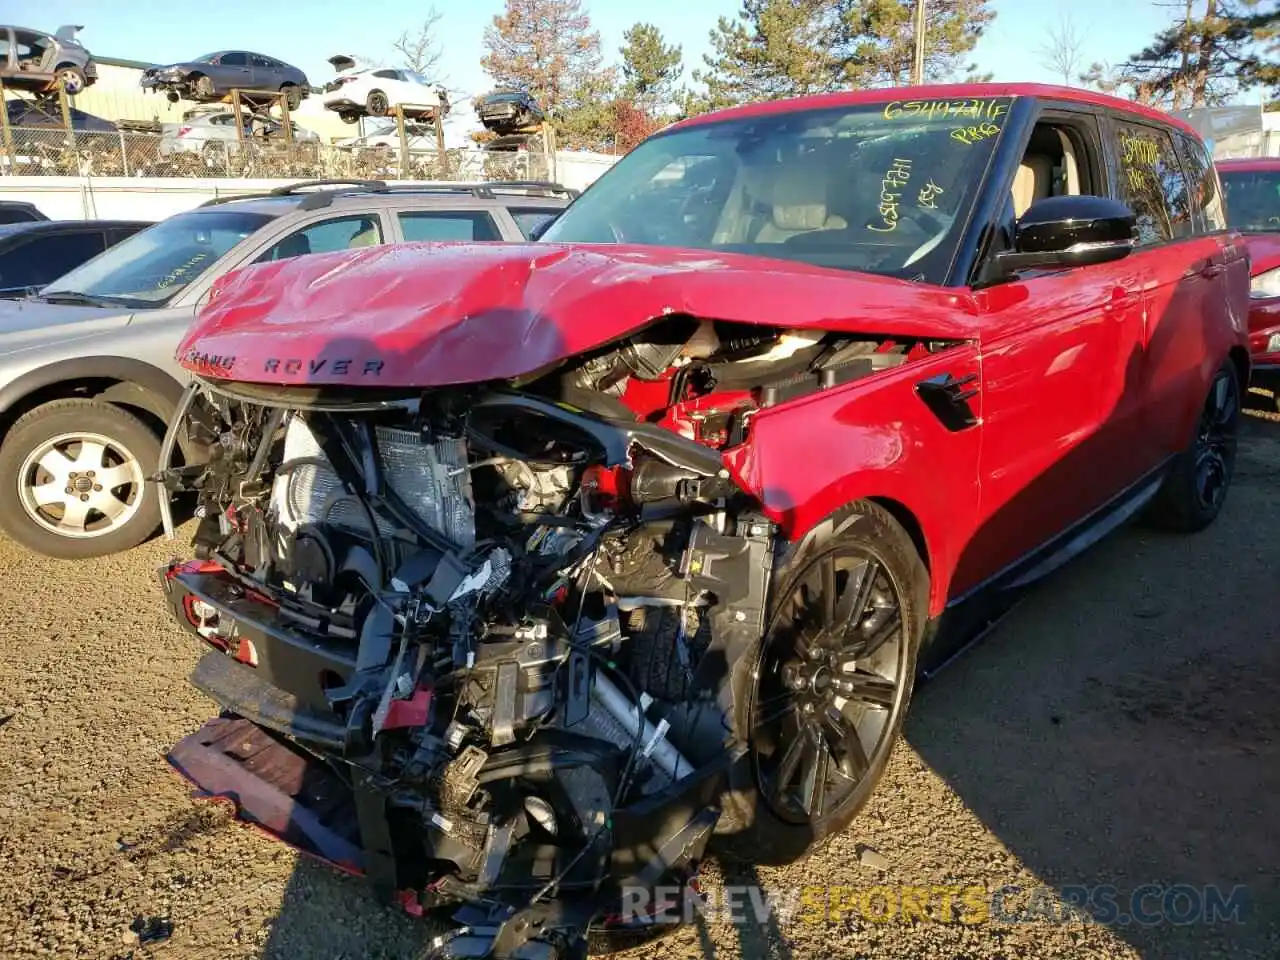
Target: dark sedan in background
[(19, 211), (38, 252), (215, 75), (508, 111)]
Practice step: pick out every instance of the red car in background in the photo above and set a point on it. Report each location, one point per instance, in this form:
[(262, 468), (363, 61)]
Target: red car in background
[(525, 569), (1252, 191)]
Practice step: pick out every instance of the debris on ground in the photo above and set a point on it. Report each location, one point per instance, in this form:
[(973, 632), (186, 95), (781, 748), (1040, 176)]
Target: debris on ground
[(151, 929)]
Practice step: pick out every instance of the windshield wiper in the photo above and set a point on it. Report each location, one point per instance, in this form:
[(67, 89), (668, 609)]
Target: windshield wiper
[(88, 299)]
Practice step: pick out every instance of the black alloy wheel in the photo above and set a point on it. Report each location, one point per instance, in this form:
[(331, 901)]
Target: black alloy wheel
[(1216, 440), (1195, 488), (829, 688)]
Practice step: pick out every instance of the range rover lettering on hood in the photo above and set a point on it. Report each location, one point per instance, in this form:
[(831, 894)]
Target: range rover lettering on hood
[(436, 314)]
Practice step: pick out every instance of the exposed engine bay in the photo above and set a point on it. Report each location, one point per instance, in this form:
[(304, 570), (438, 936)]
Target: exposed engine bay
[(479, 643)]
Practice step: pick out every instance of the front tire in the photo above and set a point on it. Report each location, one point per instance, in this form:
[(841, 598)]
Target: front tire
[(832, 678), (1193, 493), (292, 95), (73, 480)]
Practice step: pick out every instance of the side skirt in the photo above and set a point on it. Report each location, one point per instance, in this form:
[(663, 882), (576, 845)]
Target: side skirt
[(967, 619)]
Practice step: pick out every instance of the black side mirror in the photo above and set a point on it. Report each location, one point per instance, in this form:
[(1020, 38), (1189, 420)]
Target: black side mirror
[(1061, 232)]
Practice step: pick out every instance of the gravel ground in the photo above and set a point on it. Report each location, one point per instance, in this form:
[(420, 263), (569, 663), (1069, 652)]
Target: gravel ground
[(1119, 727)]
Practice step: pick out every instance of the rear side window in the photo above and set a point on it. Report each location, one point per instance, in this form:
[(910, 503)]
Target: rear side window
[(530, 219), (455, 225), (45, 259), (1206, 191), (1152, 183)]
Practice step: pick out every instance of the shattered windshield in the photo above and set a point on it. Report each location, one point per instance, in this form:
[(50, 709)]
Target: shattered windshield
[(881, 188), (1253, 200)]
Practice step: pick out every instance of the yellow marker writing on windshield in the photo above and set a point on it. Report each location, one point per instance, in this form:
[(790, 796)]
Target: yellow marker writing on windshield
[(945, 109)]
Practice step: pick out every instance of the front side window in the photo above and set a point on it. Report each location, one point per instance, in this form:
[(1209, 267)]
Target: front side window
[(1152, 183), (154, 266), (1252, 200), (882, 188), (529, 219), (328, 236), (234, 60)]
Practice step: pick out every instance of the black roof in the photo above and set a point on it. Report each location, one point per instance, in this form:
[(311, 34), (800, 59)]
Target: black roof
[(10, 230), (25, 207)]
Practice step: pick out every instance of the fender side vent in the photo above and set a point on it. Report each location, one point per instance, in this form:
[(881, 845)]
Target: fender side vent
[(949, 398)]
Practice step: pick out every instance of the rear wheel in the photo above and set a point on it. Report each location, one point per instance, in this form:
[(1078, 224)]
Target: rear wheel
[(1196, 488), (73, 480), (377, 104), (833, 676), (72, 79)]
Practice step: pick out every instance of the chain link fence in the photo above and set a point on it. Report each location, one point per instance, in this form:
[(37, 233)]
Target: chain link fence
[(36, 151)]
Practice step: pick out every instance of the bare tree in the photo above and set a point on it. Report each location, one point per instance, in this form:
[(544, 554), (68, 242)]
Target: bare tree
[(420, 48), (1062, 50)]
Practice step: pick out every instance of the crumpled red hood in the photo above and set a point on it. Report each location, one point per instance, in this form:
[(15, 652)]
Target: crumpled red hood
[(430, 314)]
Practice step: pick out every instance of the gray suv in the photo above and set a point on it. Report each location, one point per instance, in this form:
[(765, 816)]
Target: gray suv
[(87, 372)]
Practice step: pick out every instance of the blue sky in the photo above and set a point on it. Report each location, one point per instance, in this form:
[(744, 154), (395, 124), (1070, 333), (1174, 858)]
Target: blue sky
[(309, 32)]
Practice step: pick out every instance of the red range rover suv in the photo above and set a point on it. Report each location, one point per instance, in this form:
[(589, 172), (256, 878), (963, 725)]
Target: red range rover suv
[(526, 571), (1252, 191)]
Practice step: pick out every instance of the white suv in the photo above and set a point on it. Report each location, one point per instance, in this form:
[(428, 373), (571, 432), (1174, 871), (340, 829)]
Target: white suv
[(375, 92)]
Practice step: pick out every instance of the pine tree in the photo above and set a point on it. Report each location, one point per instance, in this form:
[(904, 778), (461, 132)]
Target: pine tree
[(772, 49), (878, 39), (545, 47), (650, 69), (1203, 60), (782, 48)]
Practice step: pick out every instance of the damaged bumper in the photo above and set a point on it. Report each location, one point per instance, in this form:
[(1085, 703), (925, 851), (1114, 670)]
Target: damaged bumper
[(294, 770)]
